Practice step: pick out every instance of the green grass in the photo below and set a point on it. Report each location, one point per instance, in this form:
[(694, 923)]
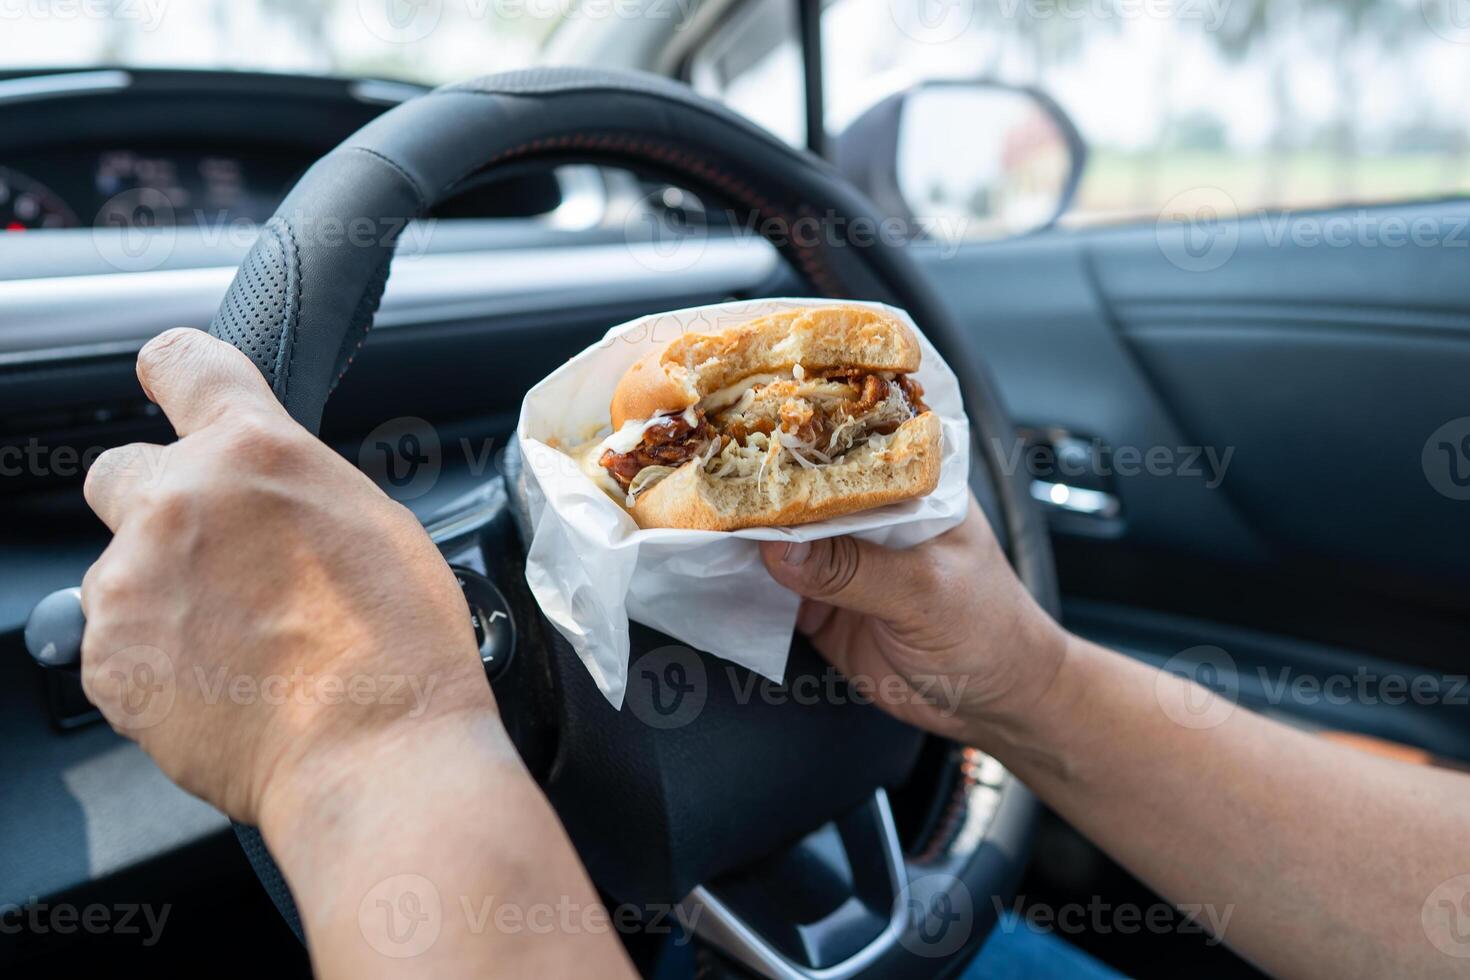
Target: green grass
[(1121, 184)]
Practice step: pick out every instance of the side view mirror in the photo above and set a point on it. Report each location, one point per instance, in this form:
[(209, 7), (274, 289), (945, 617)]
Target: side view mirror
[(966, 160)]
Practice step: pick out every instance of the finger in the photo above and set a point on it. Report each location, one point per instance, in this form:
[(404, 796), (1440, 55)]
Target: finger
[(115, 478), (196, 379), (812, 616), (844, 572), (103, 584)]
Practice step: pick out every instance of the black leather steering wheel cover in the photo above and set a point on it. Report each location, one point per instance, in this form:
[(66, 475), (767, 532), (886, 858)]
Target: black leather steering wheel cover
[(306, 295)]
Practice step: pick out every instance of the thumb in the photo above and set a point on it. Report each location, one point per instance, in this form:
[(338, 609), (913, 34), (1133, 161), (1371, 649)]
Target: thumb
[(197, 379), (843, 572)]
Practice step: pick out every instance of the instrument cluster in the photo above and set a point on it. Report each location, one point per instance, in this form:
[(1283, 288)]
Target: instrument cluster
[(141, 187)]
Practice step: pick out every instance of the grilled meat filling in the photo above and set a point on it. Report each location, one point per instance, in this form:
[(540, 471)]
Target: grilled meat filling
[(824, 415)]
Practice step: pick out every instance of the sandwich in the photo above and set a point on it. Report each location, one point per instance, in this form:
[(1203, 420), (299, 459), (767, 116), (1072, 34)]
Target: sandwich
[(789, 418)]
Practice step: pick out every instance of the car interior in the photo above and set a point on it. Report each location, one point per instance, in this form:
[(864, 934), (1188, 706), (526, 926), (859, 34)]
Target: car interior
[(1216, 382)]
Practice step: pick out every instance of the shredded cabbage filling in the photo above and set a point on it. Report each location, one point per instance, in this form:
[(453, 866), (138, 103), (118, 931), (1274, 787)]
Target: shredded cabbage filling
[(771, 428)]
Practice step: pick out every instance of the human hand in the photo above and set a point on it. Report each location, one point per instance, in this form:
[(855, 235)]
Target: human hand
[(262, 603), (944, 632)]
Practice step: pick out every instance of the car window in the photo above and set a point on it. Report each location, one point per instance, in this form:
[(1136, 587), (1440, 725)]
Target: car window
[(1277, 103), (428, 41)]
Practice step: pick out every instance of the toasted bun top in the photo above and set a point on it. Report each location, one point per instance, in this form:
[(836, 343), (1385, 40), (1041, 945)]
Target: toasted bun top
[(818, 338)]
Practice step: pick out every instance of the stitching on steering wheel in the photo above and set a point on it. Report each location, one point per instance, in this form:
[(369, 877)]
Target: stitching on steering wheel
[(287, 344), (418, 192), (367, 310)]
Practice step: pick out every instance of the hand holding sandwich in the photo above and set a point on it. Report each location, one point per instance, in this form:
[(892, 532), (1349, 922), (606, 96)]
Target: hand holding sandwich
[(947, 610)]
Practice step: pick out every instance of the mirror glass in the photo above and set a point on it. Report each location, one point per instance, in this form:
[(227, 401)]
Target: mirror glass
[(978, 162)]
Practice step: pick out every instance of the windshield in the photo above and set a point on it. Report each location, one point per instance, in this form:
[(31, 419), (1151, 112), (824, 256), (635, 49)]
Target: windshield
[(430, 41)]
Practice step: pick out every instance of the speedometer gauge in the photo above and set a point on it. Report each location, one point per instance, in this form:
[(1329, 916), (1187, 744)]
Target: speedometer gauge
[(26, 205)]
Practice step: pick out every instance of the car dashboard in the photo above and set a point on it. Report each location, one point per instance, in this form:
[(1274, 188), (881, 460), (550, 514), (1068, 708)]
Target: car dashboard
[(85, 149)]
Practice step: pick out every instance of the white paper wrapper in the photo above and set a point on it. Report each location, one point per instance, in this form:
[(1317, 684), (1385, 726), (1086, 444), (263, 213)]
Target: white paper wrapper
[(593, 569)]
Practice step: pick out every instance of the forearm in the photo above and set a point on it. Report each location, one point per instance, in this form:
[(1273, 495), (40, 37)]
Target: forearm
[(442, 858), (1314, 859)]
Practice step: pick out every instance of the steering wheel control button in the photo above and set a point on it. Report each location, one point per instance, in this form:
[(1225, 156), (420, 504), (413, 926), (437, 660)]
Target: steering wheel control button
[(495, 628), (54, 629)]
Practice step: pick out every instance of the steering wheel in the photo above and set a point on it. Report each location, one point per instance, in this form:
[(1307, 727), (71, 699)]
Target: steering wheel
[(768, 820)]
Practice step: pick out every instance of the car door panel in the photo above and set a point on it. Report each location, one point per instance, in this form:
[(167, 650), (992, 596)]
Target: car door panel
[(1321, 367)]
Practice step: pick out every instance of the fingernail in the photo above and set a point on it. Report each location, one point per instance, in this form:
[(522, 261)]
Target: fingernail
[(796, 552)]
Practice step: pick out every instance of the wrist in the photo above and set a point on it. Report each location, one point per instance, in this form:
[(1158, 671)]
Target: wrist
[(357, 788), (1042, 665)]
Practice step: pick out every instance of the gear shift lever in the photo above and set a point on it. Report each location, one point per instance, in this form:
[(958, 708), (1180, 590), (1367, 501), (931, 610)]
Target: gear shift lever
[(54, 630)]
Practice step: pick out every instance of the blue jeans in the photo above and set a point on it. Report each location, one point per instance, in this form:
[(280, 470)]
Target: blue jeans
[(1018, 951)]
